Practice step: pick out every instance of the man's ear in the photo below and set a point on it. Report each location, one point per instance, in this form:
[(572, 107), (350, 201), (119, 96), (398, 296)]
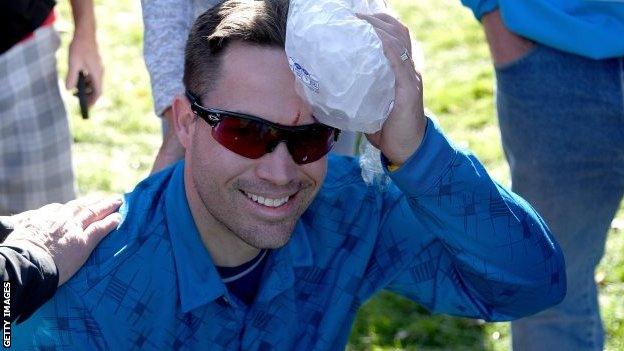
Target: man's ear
[(183, 119)]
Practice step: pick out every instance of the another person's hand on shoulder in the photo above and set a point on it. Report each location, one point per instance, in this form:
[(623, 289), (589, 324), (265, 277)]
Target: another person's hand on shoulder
[(403, 131), (68, 233)]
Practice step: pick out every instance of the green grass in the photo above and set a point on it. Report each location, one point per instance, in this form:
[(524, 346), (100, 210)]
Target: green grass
[(115, 149)]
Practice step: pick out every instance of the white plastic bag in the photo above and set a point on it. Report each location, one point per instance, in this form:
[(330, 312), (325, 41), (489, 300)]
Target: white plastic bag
[(339, 63)]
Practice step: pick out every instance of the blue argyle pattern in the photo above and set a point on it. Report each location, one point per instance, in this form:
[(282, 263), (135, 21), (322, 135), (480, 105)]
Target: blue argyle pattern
[(443, 234)]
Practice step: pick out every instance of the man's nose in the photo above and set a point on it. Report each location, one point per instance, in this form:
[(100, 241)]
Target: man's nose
[(277, 167)]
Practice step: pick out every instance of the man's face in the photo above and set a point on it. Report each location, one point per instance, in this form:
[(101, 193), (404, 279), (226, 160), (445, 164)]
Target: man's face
[(257, 200)]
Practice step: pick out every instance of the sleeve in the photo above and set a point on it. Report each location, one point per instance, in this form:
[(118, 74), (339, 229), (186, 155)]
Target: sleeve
[(30, 276), (453, 240), (63, 323), (6, 227), (480, 7), (166, 27)]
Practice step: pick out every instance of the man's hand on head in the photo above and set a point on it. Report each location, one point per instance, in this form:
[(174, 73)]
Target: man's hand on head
[(68, 233), (403, 131)]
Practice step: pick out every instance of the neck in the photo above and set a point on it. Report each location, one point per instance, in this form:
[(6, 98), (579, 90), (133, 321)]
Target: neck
[(225, 248)]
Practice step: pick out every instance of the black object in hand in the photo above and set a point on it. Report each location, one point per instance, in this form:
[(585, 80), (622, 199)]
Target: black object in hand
[(82, 95)]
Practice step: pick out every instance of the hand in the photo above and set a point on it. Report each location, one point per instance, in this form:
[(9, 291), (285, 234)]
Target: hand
[(505, 46), (68, 233), (171, 149), (84, 56), (403, 131)]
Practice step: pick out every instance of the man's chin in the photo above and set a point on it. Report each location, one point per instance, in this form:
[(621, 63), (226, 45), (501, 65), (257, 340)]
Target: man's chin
[(267, 236)]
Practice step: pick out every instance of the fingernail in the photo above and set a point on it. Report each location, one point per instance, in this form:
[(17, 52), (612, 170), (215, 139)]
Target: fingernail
[(116, 217), (116, 199)]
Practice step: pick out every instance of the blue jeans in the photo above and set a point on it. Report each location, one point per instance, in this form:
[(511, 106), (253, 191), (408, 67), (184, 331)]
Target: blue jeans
[(562, 125)]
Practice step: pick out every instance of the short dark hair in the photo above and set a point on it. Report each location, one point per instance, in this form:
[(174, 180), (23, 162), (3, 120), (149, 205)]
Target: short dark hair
[(257, 22)]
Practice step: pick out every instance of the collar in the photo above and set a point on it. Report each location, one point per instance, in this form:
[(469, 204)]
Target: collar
[(198, 280), (279, 274)]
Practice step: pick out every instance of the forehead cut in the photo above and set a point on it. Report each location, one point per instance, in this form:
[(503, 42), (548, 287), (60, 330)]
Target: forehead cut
[(257, 80)]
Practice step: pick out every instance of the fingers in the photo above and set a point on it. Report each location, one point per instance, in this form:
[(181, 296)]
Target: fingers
[(391, 26), (395, 40), (393, 49), (96, 231), (94, 80), (84, 56), (89, 212), (72, 75)]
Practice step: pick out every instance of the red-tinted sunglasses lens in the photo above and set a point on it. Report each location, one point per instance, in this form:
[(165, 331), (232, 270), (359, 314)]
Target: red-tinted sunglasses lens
[(245, 137), (253, 139), (311, 145)]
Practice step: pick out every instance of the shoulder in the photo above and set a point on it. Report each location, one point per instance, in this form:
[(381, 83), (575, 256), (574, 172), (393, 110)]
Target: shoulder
[(342, 170), (344, 198), (65, 317), (143, 222)]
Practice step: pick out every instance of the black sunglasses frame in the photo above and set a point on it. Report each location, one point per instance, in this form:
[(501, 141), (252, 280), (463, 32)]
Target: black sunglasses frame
[(212, 116)]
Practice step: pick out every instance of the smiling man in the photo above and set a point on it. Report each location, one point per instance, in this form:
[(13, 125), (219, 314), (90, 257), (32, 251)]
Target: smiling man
[(259, 241)]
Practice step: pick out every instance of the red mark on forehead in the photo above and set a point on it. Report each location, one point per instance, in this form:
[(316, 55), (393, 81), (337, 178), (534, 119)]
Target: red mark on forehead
[(297, 119)]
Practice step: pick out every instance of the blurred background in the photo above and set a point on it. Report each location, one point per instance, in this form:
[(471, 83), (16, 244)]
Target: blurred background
[(116, 148)]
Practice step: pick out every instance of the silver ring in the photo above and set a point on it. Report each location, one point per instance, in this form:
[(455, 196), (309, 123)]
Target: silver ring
[(405, 55)]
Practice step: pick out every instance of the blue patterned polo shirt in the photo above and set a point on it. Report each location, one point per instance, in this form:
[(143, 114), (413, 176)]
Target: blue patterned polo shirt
[(442, 233)]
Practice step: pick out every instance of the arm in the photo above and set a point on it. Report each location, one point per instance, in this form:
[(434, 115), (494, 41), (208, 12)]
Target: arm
[(505, 46), (64, 323), (166, 27), (468, 247), (6, 227), (48, 246), (171, 149), (83, 50), (450, 237), (32, 276), (480, 7)]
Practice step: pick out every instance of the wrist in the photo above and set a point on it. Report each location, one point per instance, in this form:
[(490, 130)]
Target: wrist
[(393, 167), (404, 148), (14, 240), (85, 37)]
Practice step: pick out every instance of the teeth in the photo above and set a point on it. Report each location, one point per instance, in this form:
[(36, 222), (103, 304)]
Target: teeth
[(266, 201)]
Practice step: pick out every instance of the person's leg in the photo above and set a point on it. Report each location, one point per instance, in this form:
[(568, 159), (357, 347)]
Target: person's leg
[(562, 126), (35, 144)]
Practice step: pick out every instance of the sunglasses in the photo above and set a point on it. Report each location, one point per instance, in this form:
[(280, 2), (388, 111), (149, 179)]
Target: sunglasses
[(253, 137)]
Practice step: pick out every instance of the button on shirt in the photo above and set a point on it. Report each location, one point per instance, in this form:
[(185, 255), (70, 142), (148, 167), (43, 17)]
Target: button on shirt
[(442, 233)]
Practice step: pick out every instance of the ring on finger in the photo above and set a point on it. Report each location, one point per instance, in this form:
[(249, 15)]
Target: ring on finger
[(405, 55)]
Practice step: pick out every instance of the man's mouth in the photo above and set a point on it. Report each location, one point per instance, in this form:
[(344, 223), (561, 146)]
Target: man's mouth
[(267, 201)]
